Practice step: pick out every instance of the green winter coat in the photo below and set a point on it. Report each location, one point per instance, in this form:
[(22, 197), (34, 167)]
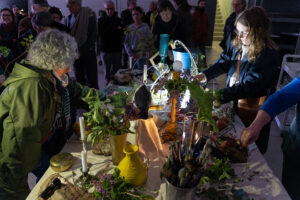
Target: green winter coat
[(28, 106)]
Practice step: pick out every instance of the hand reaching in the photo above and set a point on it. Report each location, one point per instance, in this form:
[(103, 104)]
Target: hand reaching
[(249, 135)]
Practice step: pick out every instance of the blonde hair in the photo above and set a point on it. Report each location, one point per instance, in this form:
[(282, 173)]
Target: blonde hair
[(259, 26), (53, 49)]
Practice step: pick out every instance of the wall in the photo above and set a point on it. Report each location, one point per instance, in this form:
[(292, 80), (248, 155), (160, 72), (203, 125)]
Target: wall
[(8, 3), (226, 8)]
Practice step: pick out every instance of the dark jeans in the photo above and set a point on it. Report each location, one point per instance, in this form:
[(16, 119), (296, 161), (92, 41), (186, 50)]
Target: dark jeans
[(291, 175), (111, 62), (86, 69)]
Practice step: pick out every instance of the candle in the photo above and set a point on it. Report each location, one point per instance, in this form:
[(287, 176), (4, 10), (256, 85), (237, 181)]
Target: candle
[(83, 161), (145, 74), (183, 134), (82, 133), (130, 62), (82, 128)]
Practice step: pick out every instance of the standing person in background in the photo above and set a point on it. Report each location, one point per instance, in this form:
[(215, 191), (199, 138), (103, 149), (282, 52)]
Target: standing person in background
[(126, 16), (56, 13), (25, 24), (82, 22), (229, 28), (277, 103), (137, 32), (168, 23), (110, 36), (126, 19), (25, 27), (151, 14), (8, 36), (17, 13), (200, 33), (183, 11), (8, 28)]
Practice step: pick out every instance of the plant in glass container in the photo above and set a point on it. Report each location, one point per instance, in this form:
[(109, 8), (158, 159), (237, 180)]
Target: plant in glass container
[(107, 119)]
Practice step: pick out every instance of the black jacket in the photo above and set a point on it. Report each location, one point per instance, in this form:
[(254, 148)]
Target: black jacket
[(126, 18), (110, 33), (256, 79), (229, 29), (174, 28), (186, 19)]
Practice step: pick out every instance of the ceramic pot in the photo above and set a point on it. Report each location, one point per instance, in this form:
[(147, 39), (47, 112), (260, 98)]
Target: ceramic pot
[(176, 193), (132, 168), (117, 144)]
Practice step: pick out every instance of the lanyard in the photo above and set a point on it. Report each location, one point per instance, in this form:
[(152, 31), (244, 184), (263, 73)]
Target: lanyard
[(238, 68)]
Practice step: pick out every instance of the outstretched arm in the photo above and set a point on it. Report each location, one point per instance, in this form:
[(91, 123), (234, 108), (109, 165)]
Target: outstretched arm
[(250, 134)]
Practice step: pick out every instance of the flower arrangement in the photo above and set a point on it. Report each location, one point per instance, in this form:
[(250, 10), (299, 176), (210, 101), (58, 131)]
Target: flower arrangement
[(113, 186), (106, 117)]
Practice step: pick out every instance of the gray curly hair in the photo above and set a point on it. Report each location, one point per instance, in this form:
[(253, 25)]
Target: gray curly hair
[(53, 49)]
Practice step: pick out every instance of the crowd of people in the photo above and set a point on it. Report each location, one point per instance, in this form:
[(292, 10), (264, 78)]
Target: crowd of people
[(38, 100), (114, 39)]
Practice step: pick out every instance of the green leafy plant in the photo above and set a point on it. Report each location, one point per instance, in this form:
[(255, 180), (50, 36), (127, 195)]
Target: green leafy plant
[(106, 117), (27, 41), (176, 86), (201, 62), (221, 170), (204, 99), (114, 187), (4, 51)]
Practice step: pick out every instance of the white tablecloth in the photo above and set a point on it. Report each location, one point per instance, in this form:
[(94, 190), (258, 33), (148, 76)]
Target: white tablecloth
[(264, 185)]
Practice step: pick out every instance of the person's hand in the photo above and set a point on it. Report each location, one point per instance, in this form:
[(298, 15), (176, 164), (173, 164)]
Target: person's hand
[(201, 78), (249, 135)]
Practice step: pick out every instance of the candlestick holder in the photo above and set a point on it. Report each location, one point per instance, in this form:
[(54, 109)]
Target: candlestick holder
[(84, 180)]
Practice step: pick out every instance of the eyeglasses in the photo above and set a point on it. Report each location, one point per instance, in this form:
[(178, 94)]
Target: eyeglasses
[(241, 34)]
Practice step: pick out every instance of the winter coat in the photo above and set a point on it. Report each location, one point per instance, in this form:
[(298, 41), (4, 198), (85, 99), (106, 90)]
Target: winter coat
[(229, 33), (174, 28), (200, 33), (110, 33), (28, 108)]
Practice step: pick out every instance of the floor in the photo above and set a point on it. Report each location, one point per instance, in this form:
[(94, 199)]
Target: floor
[(273, 155)]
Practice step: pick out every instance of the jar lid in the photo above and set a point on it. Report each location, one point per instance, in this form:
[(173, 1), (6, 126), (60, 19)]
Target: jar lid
[(61, 162)]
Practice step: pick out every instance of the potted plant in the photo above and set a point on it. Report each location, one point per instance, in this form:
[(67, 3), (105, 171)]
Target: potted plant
[(107, 120)]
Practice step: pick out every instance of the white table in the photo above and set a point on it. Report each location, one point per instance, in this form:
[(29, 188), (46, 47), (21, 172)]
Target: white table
[(262, 186)]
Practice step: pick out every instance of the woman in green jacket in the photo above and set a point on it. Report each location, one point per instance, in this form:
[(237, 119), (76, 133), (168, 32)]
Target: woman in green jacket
[(29, 107)]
